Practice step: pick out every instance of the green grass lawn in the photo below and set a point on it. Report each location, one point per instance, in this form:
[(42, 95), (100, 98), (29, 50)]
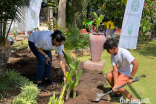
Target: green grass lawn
[(145, 54)]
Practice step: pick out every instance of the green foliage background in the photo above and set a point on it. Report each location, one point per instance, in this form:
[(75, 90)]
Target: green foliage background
[(148, 17), (75, 40), (76, 12)]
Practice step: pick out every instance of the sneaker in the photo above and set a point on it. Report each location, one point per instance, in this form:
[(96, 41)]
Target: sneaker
[(40, 86), (48, 81), (134, 102), (115, 95)]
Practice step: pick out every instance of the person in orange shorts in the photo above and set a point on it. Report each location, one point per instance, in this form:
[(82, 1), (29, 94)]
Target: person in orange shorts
[(124, 65)]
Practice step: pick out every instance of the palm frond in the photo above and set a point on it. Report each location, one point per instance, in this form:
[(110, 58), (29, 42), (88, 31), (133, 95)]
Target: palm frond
[(10, 10)]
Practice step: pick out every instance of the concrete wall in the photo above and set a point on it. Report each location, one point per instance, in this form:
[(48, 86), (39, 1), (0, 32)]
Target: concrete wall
[(20, 26)]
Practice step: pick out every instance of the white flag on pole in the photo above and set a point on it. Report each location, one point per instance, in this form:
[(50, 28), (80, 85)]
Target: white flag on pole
[(131, 22), (33, 15)]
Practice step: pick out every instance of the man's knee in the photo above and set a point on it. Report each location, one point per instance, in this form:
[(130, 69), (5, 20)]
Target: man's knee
[(108, 77), (121, 89)]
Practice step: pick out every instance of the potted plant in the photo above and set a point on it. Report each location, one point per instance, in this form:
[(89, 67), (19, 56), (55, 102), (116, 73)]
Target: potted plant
[(10, 11), (97, 40)]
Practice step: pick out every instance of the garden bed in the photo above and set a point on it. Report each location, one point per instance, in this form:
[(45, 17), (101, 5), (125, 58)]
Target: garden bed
[(90, 83)]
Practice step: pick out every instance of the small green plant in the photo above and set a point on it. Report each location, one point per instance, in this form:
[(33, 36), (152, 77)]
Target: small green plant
[(54, 100), (28, 95), (98, 21), (70, 82), (74, 94), (15, 33), (73, 76), (12, 76)]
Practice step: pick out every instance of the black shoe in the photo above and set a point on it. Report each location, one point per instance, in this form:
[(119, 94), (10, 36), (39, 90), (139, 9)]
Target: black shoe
[(48, 81), (40, 86), (115, 95)]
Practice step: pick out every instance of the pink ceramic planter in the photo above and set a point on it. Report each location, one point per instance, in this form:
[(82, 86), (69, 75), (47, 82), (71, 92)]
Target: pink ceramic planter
[(96, 45)]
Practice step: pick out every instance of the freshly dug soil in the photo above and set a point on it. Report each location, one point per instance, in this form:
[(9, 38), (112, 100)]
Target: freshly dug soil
[(90, 83)]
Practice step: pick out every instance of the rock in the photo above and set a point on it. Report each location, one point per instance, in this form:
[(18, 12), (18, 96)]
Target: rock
[(143, 75)]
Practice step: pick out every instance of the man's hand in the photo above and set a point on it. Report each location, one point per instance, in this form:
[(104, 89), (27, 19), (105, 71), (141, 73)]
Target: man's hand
[(62, 63), (64, 78), (47, 60), (114, 88), (129, 81)]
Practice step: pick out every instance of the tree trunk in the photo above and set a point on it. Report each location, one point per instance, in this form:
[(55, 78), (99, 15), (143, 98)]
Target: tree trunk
[(62, 14), (4, 55), (56, 11)]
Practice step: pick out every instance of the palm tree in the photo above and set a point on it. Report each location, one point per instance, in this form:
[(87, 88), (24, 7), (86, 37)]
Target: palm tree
[(10, 10)]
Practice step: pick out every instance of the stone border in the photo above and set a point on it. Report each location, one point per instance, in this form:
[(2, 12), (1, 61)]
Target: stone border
[(80, 52)]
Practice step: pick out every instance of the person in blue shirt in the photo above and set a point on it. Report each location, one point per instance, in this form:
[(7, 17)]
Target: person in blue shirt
[(10, 39)]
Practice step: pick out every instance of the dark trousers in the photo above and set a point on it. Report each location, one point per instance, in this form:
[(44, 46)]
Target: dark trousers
[(41, 62)]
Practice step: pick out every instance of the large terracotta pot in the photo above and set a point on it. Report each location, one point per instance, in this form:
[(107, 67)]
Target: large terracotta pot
[(96, 45)]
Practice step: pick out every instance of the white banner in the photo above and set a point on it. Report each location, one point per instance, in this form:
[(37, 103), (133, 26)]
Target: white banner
[(33, 15), (130, 25)]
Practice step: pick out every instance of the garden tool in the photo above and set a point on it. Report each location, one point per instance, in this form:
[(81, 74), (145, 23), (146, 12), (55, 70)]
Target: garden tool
[(100, 95)]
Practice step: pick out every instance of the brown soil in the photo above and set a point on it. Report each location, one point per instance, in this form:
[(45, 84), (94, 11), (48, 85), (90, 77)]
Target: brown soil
[(90, 83)]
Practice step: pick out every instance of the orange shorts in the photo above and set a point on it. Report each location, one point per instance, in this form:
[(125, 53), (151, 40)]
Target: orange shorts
[(122, 79)]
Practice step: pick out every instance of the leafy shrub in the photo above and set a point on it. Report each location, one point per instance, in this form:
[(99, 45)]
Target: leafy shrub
[(7, 79), (29, 90), (146, 37), (85, 21), (49, 24), (75, 40)]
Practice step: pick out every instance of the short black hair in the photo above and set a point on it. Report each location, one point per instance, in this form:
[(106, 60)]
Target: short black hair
[(58, 36), (105, 20), (110, 43)]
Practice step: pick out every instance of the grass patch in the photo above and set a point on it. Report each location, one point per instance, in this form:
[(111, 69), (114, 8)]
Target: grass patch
[(145, 54), (20, 44)]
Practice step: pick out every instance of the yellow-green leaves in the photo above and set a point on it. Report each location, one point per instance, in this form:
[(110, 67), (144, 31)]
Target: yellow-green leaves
[(98, 20), (68, 77), (74, 94), (73, 76)]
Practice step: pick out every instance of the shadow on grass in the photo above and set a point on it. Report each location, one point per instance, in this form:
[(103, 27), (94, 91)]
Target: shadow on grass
[(134, 92), (147, 49)]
